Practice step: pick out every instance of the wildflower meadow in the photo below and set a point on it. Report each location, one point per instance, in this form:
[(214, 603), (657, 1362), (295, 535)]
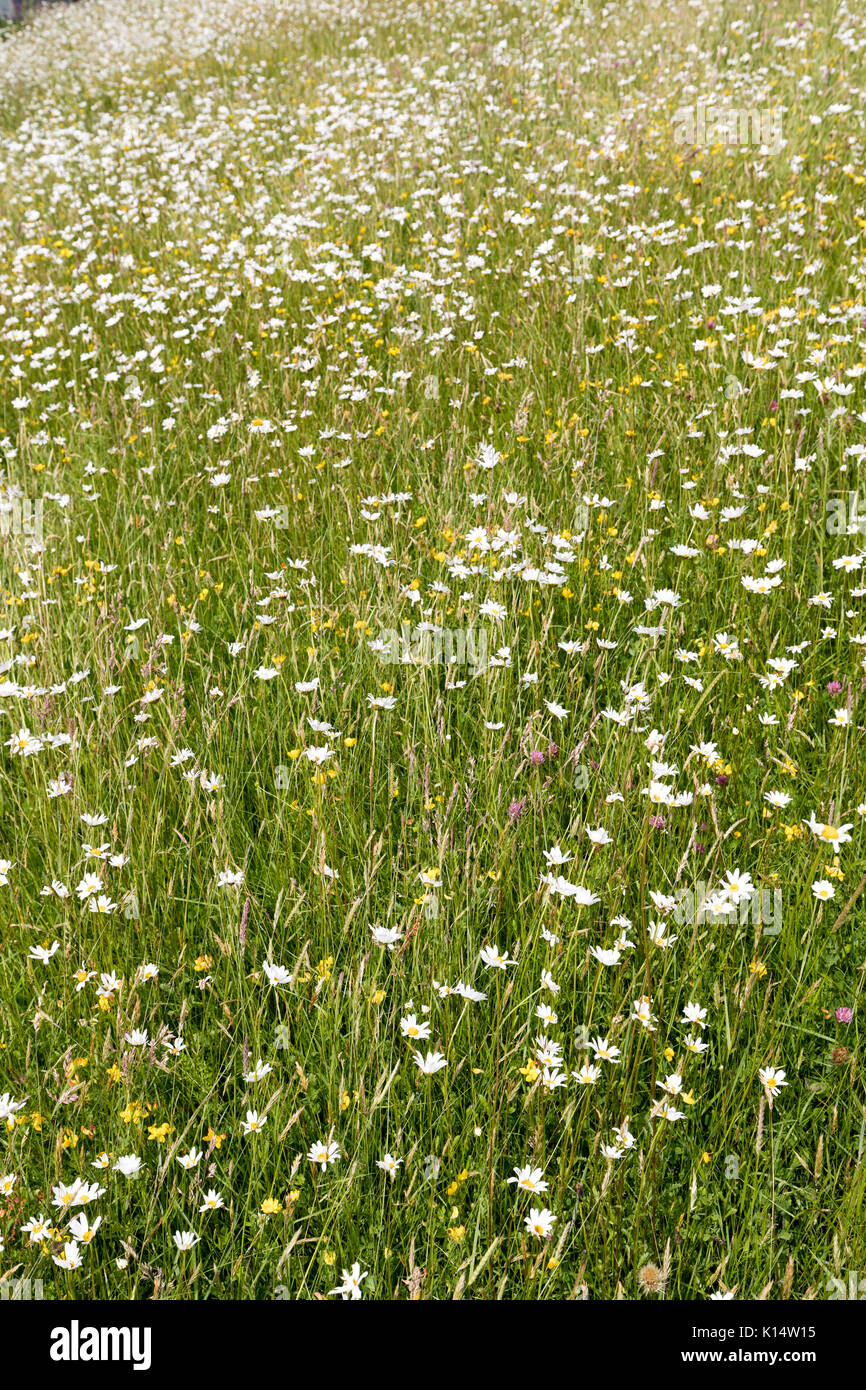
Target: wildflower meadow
[(432, 805)]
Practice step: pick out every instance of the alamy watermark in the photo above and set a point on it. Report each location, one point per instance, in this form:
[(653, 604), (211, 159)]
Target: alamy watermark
[(23, 1290), (761, 907), (846, 515), (427, 645), (705, 124), (19, 516), (854, 1287)]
